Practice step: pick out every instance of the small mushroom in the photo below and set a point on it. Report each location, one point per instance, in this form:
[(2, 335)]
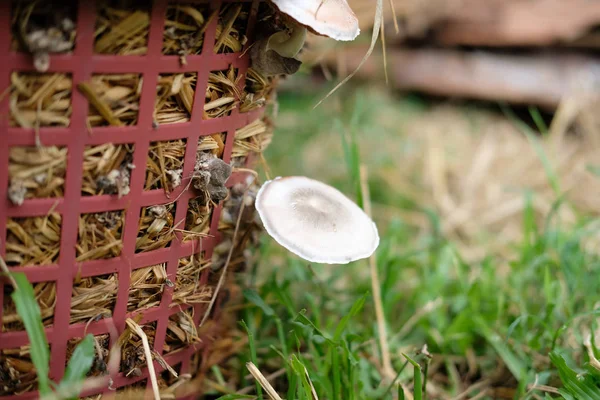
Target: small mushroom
[(332, 18), (315, 221)]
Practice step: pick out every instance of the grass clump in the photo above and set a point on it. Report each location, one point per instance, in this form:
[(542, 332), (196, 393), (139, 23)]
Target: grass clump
[(503, 326)]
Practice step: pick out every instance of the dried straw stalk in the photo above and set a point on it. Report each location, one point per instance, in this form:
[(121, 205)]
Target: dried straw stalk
[(38, 100)]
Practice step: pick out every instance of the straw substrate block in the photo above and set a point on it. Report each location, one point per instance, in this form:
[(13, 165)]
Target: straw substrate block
[(127, 140)]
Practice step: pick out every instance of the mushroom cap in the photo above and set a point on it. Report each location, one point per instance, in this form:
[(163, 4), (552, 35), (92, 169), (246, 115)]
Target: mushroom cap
[(315, 221), (333, 18)]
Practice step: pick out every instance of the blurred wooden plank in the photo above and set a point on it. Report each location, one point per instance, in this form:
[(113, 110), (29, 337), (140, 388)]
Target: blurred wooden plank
[(489, 22), (517, 22), (540, 79)]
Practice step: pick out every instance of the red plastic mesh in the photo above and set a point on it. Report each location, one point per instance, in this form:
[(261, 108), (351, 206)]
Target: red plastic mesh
[(82, 64)]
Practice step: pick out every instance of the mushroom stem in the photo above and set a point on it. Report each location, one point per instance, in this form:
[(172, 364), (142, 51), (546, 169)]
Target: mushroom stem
[(288, 44)]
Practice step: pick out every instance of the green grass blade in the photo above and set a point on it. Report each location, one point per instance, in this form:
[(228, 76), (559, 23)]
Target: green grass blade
[(418, 381), (594, 169), (538, 120), (29, 311), (255, 299), (356, 307), (79, 365), (579, 386), (335, 368), (400, 392), (253, 356), (548, 168), (513, 363)]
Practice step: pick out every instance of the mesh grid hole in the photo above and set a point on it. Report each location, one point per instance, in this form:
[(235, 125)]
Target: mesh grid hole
[(185, 26), (187, 287), (17, 374), (40, 99), (133, 359), (122, 29), (114, 99), (104, 167), (181, 331), (93, 298), (33, 21), (198, 219), (146, 287), (231, 28), (23, 233), (101, 352), (166, 378), (164, 165), (156, 227), (36, 172), (100, 235), (222, 93), (45, 295), (175, 98)]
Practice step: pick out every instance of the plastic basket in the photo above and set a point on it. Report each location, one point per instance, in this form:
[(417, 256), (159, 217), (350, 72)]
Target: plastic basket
[(82, 64)]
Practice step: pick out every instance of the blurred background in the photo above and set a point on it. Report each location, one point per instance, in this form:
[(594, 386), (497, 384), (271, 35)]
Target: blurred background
[(469, 85), (480, 129)]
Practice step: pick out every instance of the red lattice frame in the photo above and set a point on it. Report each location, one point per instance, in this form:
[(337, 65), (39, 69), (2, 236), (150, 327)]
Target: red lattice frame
[(82, 64)]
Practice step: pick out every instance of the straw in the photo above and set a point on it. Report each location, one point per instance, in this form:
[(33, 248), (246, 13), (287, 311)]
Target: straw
[(33, 240), (174, 98), (147, 352), (38, 100), (114, 99), (121, 30), (100, 236), (106, 169), (155, 228), (39, 171)]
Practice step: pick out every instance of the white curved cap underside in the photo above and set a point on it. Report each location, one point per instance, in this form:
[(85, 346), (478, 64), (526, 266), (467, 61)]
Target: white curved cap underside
[(333, 18), (316, 221)]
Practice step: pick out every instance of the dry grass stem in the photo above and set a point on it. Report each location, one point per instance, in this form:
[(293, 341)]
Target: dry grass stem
[(120, 30), (187, 288), (164, 165), (148, 353), (252, 138), (224, 272), (40, 100), (174, 98), (33, 240), (222, 93), (38, 172), (155, 228), (388, 369), (185, 25), (114, 99), (100, 236), (147, 286), (17, 371), (231, 28), (264, 383), (93, 298), (107, 169), (181, 331)]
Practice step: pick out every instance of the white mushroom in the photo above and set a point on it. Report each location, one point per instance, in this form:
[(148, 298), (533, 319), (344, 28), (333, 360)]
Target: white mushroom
[(333, 18), (315, 221)]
